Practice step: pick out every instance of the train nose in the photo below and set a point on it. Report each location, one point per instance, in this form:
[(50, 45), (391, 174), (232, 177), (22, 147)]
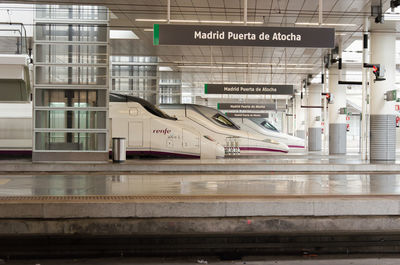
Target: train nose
[(219, 151), (283, 147)]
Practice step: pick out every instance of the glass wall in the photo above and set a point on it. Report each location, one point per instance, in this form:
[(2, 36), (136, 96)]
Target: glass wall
[(136, 76), (71, 80), (170, 87)]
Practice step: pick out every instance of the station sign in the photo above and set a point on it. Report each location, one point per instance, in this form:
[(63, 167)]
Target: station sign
[(244, 89), (245, 106), (246, 115), (171, 34)]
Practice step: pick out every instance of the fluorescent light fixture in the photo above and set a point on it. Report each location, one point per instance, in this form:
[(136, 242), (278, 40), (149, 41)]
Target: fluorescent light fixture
[(392, 17), (148, 30), (243, 63), (165, 69), (123, 34), (325, 24), (150, 20), (242, 67), (198, 21)]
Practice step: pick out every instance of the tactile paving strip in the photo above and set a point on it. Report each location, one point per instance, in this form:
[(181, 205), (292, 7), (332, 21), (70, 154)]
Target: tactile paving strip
[(176, 198)]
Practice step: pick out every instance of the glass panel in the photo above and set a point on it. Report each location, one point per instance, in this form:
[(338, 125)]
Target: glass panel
[(71, 98), (75, 54), (77, 119), (71, 75), (134, 70), (139, 84), (70, 141), (72, 32), (71, 12), (134, 59)]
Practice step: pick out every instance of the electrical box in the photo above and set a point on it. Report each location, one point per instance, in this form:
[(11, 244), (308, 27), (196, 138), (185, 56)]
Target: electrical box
[(343, 111), (318, 118)]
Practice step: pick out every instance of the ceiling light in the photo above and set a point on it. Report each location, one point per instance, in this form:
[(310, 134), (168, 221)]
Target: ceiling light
[(123, 34), (149, 29), (165, 69), (150, 20), (243, 63), (242, 67), (392, 17), (197, 21), (325, 24)]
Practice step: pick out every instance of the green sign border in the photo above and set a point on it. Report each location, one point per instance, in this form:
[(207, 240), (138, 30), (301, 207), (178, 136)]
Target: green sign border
[(156, 34)]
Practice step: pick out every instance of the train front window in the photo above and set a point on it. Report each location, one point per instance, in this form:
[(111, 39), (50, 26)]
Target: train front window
[(264, 124), (222, 120), (269, 126), (215, 116)]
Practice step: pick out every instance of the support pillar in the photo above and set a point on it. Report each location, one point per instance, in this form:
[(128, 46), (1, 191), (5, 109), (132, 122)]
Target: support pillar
[(383, 118), (314, 118), (337, 121), (300, 119)]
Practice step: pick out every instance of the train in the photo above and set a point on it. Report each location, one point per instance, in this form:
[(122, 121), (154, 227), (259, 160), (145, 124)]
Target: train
[(151, 132), (148, 131), (264, 127), (196, 132), (212, 122)]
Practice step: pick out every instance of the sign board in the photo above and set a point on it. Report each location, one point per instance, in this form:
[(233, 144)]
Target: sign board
[(248, 89), (246, 106), (247, 115), (170, 34)]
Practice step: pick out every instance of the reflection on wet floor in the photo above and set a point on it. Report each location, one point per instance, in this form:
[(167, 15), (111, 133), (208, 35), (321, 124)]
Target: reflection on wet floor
[(58, 185)]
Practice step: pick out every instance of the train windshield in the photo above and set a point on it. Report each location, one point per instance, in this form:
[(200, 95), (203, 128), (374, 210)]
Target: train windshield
[(148, 106), (264, 124), (216, 117)]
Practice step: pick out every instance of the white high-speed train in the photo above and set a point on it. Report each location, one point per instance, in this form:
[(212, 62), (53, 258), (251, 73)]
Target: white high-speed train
[(214, 123), (264, 127), (149, 131)]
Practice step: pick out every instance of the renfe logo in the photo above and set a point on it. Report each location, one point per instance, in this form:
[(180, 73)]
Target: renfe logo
[(165, 131)]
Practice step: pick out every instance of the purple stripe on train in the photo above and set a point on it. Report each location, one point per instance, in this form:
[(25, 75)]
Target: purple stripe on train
[(261, 149), (161, 154), (144, 153)]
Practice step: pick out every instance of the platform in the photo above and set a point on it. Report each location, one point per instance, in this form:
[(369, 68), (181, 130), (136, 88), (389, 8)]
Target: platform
[(291, 163), (198, 204)]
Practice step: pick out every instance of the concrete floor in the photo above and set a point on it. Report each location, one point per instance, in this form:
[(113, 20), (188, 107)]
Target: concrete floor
[(200, 184), (293, 163)]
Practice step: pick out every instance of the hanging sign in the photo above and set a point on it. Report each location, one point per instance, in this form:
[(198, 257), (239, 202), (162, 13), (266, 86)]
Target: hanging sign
[(245, 106), (171, 34), (247, 115), (248, 89)]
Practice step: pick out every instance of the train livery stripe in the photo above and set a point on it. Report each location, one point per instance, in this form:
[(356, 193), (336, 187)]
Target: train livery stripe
[(260, 149), (296, 146), (16, 152), (128, 152), (161, 154)]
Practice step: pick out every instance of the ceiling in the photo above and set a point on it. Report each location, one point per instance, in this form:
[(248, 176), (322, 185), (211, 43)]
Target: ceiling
[(206, 64), (200, 64)]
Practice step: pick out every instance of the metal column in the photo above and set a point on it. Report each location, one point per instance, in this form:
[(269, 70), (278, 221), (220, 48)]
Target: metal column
[(383, 118)]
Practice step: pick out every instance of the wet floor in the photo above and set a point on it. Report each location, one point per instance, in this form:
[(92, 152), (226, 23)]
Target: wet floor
[(195, 184)]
